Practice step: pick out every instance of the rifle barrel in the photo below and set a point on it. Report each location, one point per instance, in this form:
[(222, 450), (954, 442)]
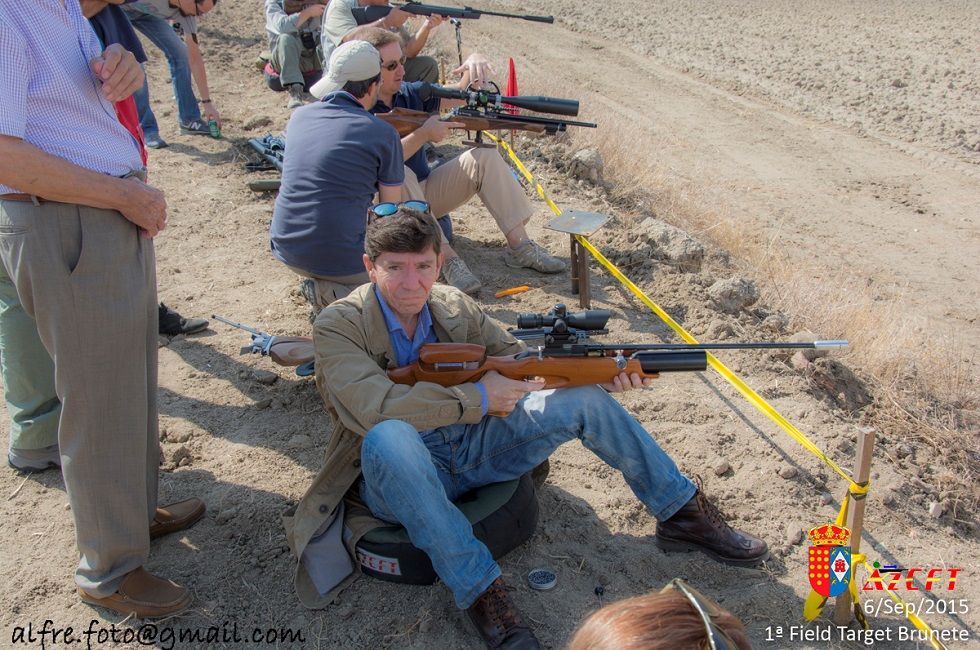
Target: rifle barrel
[(238, 325), (537, 19), (816, 345)]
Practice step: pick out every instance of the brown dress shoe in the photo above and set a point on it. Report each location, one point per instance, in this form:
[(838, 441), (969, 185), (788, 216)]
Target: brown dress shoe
[(698, 526), (144, 595), (497, 620), (170, 519)]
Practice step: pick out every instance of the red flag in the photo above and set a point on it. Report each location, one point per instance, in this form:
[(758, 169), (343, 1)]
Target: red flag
[(511, 87)]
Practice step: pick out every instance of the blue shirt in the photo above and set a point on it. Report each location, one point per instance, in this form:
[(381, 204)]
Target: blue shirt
[(336, 156), (408, 97), (112, 26), (51, 99), (407, 350)]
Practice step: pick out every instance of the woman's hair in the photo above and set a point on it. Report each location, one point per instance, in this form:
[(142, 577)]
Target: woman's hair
[(658, 621)]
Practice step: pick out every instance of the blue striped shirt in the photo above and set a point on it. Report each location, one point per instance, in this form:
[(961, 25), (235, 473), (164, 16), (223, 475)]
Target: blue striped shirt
[(51, 99)]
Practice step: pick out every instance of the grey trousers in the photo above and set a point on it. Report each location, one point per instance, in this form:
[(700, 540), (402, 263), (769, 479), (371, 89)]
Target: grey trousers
[(290, 59), (89, 280)]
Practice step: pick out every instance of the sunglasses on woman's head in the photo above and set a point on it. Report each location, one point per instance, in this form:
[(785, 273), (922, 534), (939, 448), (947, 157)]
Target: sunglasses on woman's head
[(717, 638)]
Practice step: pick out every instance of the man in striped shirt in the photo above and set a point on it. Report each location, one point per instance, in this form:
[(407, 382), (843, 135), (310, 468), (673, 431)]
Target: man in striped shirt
[(76, 229)]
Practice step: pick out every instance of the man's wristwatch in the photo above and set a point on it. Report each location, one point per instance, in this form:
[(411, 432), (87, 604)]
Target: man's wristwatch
[(204, 101)]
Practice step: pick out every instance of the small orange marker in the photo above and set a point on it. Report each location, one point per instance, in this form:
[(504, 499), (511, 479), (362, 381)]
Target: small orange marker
[(511, 291)]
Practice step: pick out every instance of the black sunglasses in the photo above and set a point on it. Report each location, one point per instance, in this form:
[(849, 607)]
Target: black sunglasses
[(392, 65), (717, 638)]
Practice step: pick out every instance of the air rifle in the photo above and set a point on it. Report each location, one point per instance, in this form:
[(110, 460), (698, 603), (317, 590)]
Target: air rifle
[(565, 360), (370, 14), (485, 111), (271, 147), (283, 350)]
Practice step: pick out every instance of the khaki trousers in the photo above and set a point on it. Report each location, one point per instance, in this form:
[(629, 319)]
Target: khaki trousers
[(476, 172), (89, 280)]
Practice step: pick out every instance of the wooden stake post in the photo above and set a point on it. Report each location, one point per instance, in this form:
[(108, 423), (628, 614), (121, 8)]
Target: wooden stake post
[(855, 516)]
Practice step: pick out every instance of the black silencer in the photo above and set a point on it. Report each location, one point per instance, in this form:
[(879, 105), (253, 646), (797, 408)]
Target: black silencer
[(654, 361)]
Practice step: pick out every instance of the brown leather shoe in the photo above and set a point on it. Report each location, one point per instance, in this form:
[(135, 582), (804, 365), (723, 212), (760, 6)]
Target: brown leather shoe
[(497, 620), (698, 526), (178, 516), (144, 595)]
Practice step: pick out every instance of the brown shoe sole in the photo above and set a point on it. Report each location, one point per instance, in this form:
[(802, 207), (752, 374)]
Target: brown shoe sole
[(669, 545), (128, 606)]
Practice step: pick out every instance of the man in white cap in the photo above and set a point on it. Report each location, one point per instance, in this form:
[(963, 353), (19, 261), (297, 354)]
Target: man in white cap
[(339, 157)]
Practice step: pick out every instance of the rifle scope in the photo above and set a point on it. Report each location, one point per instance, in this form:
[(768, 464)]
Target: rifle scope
[(589, 319), (483, 99)]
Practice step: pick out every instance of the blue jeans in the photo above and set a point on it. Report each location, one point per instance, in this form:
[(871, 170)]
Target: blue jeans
[(413, 480), (163, 36)]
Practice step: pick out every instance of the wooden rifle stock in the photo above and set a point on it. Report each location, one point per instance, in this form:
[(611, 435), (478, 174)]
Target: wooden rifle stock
[(406, 120), (291, 350), (451, 364)]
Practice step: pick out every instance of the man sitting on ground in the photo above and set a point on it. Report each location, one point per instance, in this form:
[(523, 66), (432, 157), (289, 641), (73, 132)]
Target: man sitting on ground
[(339, 157), (292, 43), (339, 20), (409, 451), (480, 171)]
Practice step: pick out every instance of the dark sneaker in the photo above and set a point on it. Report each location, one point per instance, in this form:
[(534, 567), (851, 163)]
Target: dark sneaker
[(154, 141), (29, 461), (195, 127), (698, 526), (308, 290), (497, 620), (172, 323)]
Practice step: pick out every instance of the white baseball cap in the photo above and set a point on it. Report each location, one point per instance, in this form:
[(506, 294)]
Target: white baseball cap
[(353, 61)]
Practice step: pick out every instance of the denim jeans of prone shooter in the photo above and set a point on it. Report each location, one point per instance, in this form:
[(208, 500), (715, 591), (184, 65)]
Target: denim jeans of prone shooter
[(413, 480), (163, 36)]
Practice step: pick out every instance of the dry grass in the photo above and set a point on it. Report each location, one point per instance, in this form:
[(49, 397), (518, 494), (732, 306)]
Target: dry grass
[(926, 386)]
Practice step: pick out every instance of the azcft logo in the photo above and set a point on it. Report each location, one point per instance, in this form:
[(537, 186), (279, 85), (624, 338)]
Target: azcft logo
[(890, 578)]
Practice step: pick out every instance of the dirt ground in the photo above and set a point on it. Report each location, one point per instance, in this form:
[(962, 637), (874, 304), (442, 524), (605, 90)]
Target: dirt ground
[(846, 132)]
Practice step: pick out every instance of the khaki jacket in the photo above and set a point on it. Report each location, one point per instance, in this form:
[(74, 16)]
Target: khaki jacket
[(353, 351)]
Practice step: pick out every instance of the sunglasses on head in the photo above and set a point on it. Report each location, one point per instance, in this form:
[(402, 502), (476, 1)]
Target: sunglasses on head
[(717, 638), (387, 209), (392, 65)]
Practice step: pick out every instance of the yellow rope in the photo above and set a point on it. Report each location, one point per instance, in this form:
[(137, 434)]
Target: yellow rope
[(733, 379)]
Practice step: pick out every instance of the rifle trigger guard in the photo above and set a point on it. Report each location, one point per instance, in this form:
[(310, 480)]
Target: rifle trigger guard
[(620, 360)]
